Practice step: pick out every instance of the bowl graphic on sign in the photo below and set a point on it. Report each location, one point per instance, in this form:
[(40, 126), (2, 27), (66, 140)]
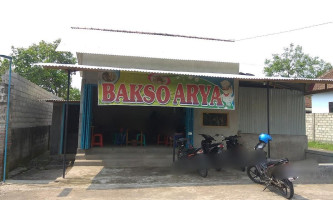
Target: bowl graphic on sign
[(111, 77), (159, 79)]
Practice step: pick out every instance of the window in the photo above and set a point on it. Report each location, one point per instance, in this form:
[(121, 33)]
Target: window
[(215, 119), (330, 107)]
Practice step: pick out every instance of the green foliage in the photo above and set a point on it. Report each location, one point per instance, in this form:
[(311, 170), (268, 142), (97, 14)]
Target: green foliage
[(4, 66), (52, 80), (295, 64), (320, 145), (74, 94)]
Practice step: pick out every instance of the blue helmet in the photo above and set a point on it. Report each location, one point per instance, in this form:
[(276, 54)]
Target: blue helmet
[(264, 137)]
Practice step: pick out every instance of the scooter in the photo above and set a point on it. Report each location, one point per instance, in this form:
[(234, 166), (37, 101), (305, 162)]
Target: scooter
[(233, 156), (213, 151), (191, 158), (271, 172), (208, 146), (235, 152)]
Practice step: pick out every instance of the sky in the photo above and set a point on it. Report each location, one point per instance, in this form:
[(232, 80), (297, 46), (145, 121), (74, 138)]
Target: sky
[(26, 22)]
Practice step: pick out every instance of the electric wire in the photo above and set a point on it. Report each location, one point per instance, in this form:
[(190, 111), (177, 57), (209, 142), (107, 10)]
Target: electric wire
[(282, 32), (154, 33), (204, 38)]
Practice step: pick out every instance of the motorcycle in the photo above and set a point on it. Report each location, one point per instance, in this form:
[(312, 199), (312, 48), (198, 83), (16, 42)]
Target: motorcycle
[(236, 153), (271, 172), (233, 156), (191, 158), (213, 151), (232, 142), (209, 147)]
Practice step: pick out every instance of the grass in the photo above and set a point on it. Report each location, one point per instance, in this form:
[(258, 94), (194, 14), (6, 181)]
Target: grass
[(320, 145)]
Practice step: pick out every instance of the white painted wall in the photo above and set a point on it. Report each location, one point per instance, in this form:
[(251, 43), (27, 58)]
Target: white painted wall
[(158, 63), (231, 129), (320, 102)]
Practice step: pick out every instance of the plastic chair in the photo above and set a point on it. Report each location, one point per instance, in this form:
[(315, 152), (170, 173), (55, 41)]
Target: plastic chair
[(162, 139), (95, 141), (120, 138), (143, 142), (130, 135)]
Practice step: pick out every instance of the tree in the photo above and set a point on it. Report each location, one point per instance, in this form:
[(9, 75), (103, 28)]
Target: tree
[(54, 81), (74, 94), (4, 66), (295, 64)]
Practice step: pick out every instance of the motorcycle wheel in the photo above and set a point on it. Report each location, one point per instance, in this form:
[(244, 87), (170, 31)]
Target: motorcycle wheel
[(253, 174), (203, 172), (287, 189)]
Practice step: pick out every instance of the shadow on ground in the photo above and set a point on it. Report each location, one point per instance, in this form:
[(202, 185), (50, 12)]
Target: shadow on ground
[(44, 168), (102, 178), (115, 178)]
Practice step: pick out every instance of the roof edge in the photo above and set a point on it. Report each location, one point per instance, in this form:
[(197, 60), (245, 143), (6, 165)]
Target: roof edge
[(77, 67)]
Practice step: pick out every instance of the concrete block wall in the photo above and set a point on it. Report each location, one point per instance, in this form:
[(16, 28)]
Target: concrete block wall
[(309, 126), (29, 120), (319, 127), (3, 108)]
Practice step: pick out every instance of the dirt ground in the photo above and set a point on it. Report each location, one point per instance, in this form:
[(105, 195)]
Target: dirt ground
[(98, 182)]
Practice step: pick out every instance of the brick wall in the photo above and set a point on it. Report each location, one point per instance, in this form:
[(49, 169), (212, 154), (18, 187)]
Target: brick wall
[(319, 127), (29, 120)]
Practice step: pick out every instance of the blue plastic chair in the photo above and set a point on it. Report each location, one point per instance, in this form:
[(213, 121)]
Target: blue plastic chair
[(120, 138), (143, 138)]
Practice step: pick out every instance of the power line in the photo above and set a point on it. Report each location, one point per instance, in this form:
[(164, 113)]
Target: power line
[(153, 33), (203, 38), (281, 32)]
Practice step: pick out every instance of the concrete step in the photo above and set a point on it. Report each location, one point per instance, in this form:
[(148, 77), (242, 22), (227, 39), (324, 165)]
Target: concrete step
[(124, 156), (129, 149), (152, 156), (88, 163), (126, 162), (80, 156), (138, 163)]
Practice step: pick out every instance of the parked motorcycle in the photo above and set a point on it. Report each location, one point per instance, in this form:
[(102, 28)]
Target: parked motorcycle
[(218, 158), (213, 151), (191, 158), (271, 172), (236, 153), (232, 142), (208, 146)]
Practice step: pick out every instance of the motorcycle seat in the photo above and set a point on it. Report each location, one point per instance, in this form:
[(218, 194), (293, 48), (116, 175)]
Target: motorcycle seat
[(276, 161)]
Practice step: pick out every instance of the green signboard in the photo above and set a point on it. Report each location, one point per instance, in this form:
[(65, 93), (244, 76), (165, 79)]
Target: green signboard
[(144, 89)]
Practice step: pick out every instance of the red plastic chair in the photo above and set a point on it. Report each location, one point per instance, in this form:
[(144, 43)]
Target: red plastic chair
[(97, 140)]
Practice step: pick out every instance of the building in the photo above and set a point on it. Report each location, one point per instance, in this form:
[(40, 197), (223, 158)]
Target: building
[(319, 126), (157, 86), (323, 102)]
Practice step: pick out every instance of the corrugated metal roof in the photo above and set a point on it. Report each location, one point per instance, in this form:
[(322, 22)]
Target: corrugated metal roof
[(218, 75), (59, 100), (149, 46), (327, 75)]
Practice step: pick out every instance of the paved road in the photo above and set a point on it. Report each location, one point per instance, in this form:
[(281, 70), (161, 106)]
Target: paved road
[(97, 182), (229, 191)]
